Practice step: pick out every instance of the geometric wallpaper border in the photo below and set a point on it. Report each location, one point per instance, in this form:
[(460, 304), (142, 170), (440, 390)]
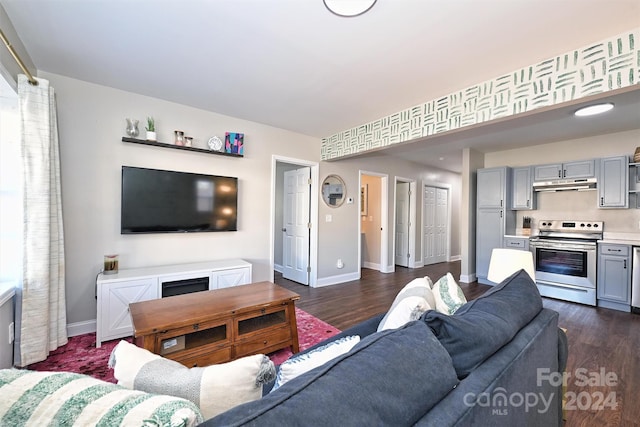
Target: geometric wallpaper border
[(611, 64)]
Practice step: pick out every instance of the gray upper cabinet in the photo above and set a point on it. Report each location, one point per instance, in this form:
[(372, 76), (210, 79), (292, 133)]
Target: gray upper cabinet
[(522, 195), (492, 188), (570, 170), (613, 182)]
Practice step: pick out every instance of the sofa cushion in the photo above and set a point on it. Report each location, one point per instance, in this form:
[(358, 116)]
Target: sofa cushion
[(37, 398), (481, 327), (412, 300), (214, 388), (448, 295), (299, 364), (390, 378)]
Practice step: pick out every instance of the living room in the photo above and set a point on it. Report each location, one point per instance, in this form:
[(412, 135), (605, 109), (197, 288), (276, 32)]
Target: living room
[(91, 120)]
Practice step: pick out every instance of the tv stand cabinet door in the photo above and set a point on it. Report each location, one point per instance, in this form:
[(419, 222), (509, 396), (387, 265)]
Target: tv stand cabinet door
[(232, 277), (114, 320)]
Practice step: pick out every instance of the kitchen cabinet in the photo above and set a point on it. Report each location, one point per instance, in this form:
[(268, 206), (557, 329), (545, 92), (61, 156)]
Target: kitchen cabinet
[(613, 182), (522, 197), (570, 170), (116, 291), (516, 242), (614, 277), (634, 185), (492, 187), (494, 218)]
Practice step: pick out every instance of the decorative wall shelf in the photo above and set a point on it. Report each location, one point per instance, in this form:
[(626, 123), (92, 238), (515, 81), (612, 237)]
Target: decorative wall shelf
[(178, 147)]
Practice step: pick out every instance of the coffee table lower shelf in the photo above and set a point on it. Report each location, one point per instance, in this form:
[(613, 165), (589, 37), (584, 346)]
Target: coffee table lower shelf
[(218, 326)]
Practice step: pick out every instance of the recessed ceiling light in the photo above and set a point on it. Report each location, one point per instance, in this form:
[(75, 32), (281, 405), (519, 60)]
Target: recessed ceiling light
[(349, 7), (593, 109), (441, 158)]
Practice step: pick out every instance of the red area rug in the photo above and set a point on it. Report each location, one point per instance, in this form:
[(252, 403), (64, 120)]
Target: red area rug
[(80, 355)]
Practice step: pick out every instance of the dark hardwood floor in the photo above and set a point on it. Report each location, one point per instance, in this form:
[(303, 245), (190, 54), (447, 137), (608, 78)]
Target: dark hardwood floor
[(599, 339)]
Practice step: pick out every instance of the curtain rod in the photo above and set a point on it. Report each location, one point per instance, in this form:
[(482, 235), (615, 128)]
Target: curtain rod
[(18, 60)]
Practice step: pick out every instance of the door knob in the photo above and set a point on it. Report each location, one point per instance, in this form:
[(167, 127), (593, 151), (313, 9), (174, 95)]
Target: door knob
[(284, 229)]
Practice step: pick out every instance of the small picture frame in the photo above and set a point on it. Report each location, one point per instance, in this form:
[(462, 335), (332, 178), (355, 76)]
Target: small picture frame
[(234, 143), (364, 199)]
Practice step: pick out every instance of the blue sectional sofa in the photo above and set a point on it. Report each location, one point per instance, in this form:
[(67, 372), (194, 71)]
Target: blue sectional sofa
[(487, 364)]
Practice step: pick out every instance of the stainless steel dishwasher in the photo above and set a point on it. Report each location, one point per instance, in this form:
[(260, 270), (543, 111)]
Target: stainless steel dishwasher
[(635, 280)]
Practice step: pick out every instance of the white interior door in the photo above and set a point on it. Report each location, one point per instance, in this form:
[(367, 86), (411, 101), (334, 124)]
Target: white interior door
[(295, 257), (435, 234), (402, 224)]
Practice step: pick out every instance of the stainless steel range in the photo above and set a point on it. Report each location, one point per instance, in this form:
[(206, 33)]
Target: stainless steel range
[(564, 254)]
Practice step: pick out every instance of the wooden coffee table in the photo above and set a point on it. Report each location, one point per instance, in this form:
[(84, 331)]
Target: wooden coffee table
[(203, 328)]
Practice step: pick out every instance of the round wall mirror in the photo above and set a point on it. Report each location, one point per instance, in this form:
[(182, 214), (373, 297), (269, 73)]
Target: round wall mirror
[(334, 191)]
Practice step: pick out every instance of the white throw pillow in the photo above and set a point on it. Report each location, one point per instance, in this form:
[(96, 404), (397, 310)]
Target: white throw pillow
[(448, 295), (410, 303), (215, 389), (298, 365)]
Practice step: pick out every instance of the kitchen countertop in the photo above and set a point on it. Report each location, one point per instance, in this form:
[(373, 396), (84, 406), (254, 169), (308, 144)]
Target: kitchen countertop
[(7, 291), (632, 239)]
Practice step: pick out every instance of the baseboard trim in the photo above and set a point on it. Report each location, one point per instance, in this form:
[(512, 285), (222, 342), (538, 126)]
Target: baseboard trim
[(455, 258), (81, 328), (278, 268), (372, 265), (334, 280), (468, 278)]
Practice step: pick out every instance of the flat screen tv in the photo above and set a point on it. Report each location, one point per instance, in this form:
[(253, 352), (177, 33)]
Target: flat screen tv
[(162, 201)]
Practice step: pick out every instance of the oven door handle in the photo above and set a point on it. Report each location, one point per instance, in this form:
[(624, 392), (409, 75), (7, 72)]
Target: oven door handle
[(567, 246)]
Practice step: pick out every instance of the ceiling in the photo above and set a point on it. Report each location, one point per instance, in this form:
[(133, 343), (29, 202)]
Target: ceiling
[(294, 65)]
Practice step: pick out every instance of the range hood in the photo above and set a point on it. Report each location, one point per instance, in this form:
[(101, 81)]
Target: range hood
[(565, 184)]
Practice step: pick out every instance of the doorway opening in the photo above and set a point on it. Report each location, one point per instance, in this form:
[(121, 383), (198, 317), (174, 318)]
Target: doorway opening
[(404, 249), (294, 219), (436, 223), (373, 222)]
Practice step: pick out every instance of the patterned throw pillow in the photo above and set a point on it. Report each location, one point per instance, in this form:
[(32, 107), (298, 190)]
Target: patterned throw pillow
[(448, 295), (215, 389), (298, 365), (410, 303)]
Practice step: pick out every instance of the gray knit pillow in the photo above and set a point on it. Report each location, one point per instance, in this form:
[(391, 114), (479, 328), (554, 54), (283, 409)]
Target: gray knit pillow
[(215, 389)]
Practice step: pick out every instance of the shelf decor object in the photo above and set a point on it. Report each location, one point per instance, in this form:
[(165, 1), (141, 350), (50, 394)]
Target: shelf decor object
[(636, 155), (132, 128), (179, 147), (234, 142), (151, 129)]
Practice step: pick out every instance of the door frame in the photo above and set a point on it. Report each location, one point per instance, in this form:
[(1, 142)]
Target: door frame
[(384, 220), (413, 261), (448, 188), (313, 213)]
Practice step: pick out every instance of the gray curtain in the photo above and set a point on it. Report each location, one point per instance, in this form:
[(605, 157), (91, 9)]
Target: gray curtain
[(41, 321)]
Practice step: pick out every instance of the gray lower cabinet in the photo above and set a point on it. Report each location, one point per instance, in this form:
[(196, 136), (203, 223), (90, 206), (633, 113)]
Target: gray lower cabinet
[(614, 277), (520, 243), (613, 182), (490, 227)]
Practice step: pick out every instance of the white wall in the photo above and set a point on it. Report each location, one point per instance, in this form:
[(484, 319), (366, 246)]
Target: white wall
[(91, 126), (574, 204)]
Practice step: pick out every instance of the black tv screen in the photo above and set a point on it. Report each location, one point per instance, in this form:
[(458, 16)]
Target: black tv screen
[(161, 201)]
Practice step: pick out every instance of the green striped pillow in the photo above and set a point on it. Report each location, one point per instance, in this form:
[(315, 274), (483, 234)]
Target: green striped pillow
[(65, 399), (448, 295)]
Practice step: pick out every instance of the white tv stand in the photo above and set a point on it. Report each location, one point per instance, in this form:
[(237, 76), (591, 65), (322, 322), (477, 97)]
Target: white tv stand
[(116, 291)]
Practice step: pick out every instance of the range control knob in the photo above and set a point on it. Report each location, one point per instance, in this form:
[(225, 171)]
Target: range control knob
[(595, 225), (588, 225), (582, 225)]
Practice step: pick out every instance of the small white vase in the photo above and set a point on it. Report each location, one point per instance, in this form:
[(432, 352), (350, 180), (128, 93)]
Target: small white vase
[(151, 136)]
